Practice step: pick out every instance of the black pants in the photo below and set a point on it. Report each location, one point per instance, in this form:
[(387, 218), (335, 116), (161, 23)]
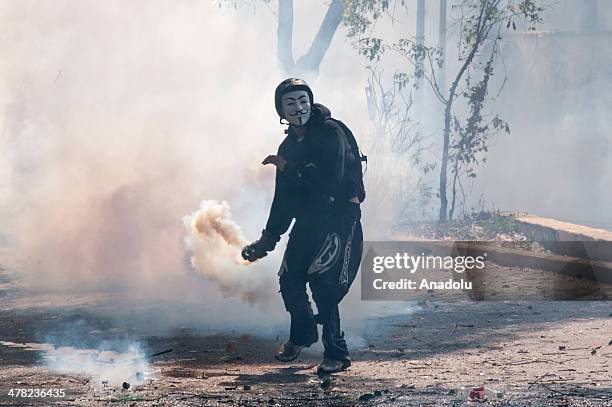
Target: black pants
[(323, 251)]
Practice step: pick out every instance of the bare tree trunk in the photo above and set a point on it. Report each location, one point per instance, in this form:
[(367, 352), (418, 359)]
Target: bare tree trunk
[(447, 123), (442, 44), (419, 68), (443, 89), (446, 142), (311, 61), (454, 191), (448, 111), (284, 50), (420, 42), (589, 15)]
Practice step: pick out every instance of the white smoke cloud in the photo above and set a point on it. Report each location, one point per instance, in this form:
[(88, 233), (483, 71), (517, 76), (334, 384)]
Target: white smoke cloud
[(107, 144), (104, 367), (216, 242), (118, 118)]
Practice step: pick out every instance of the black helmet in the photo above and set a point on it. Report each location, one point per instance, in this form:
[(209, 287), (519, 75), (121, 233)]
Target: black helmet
[(289, 85)]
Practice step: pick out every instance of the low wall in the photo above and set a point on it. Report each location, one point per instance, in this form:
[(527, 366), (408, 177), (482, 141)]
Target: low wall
[(567, 238)]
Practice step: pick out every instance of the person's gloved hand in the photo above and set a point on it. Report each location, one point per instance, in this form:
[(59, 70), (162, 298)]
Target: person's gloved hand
[(261, 247), (278, 160), (253, 251)]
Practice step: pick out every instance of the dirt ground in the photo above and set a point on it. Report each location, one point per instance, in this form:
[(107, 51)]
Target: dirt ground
[(536, 353)]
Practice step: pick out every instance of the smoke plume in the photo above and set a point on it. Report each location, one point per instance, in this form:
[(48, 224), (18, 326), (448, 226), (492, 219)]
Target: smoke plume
[(215, 242), (104, 366)]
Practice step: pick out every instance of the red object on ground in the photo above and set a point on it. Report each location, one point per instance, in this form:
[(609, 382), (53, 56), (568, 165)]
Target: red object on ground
[(477, 393)]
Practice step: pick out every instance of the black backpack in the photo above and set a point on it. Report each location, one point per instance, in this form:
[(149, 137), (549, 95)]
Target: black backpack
[(354, 168)]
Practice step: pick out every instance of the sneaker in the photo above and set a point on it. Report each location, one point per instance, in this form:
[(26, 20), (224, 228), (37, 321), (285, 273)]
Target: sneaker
[(329, 366), (288, 352)]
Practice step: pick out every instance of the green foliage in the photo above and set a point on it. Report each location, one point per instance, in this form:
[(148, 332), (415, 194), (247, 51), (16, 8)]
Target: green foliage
[(531, 12), (496, 223), (359, 15), (473, 225), (480, 26), (401, 80), (371, 48), (479, 18), (470, 139)]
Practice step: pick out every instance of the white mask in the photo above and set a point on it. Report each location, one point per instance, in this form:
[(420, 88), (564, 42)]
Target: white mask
[(296, 107)]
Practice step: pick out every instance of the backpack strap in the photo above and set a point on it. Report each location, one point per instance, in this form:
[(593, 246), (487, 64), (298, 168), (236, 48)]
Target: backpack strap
[(356, 151), (350, 138)]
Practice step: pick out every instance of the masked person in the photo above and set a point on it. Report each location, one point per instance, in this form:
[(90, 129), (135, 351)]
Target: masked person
[(319, 184)]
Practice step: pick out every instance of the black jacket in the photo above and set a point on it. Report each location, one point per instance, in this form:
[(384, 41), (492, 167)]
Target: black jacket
[(313, 182)]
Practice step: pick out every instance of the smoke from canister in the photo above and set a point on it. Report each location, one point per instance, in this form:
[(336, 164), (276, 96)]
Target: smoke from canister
[(215, 243)]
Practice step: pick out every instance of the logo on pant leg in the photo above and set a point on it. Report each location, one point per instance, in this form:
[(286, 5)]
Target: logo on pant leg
[(283, 267), (344, 275), (327, 256)]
